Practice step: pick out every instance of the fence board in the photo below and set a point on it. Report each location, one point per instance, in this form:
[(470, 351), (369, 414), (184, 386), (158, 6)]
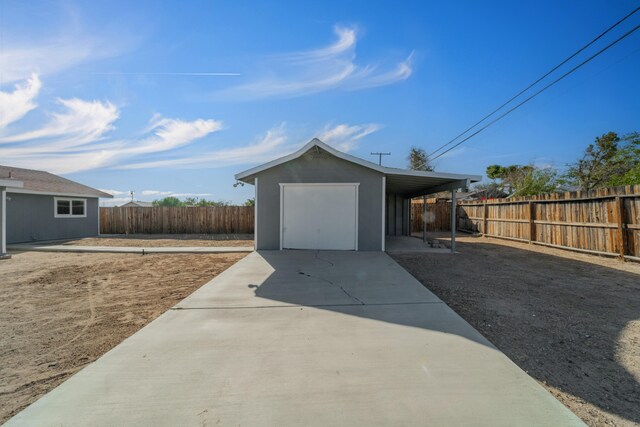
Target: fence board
[(177, 220)]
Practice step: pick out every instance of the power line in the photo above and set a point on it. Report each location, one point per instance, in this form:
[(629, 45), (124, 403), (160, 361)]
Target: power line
[(539, 79), (628, 33)]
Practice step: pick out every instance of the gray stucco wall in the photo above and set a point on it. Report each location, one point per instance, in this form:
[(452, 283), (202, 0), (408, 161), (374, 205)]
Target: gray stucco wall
[(30, 218), (321, 168)]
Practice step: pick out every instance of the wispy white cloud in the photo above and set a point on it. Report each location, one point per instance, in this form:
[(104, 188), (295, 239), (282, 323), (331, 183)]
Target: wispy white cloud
[(66, 46), (318, 70), (114, 192), (158, 193), (346, 42), (76, 139), (80, 122), (155, 193), (149, 196), (273, 144), (15, 105), (345, 137), (173, 133), (116, 201)]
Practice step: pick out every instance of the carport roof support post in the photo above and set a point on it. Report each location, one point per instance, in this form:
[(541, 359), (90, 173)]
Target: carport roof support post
[(454, 218)]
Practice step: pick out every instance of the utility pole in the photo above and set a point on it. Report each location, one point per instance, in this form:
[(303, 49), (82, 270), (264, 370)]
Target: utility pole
[(131, 192), (380, 156)]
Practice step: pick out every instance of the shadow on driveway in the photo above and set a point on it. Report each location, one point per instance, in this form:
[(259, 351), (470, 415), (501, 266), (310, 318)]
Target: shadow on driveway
[(569, 320)]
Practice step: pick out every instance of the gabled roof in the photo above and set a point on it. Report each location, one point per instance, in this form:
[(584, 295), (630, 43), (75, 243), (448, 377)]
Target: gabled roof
[(402, 181), (41, 182)]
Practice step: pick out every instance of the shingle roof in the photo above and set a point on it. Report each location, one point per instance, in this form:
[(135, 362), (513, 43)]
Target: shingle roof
[(45, 182)]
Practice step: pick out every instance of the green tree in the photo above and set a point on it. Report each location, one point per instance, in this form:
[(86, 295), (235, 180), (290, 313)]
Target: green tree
[(495, 171), (518, 180), (611, 160), (628, 157), (190, 201), (532, 180), (168, 201), (419, 160), (250, 202), (205, 202), (491, 190)]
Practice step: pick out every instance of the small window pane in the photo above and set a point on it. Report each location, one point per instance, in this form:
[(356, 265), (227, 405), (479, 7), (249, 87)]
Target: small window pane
[(63, 207), (78, 207)]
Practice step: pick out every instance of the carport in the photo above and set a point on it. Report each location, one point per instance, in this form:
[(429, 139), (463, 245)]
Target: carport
[(321, 198), (404, 185), (4, 184)]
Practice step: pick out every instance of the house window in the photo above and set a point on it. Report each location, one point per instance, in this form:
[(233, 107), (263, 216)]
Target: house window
[(70, 208)]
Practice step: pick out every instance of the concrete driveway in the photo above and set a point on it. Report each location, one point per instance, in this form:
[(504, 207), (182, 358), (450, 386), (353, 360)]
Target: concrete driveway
[(303, 338)]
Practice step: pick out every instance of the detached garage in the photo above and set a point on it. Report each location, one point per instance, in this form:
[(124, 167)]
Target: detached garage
[(321, 198)]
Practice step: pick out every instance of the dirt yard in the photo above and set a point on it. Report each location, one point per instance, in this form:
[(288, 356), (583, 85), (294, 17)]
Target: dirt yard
[(61, 311), (571, 321), (163, 240)]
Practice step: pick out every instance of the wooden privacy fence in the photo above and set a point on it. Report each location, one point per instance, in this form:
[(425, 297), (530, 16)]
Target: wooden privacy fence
[(603, 222), (438, 215), (177, 220)]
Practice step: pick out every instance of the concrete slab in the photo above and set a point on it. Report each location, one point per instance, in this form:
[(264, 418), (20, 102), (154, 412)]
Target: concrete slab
[(299, 350), (311, 278), (131, 250)]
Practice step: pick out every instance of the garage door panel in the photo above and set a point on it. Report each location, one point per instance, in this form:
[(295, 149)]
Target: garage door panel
[(319, 216)]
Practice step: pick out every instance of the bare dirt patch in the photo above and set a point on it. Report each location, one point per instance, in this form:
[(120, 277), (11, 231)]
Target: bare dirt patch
[(571, 321), (161, 241), (61, 311)]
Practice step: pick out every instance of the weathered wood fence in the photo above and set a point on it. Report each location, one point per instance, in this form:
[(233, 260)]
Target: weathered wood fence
[(177, 220), (438, 215), (603, 222)]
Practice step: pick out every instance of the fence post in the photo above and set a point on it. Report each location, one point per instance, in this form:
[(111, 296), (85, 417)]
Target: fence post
[(532, 224), (485, 215), (622, 235)]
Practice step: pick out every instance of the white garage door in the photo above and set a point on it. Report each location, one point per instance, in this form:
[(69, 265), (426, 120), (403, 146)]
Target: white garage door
[(319, 216)]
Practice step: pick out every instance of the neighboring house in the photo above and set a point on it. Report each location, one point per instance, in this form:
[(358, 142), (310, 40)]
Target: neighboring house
[(137, 204), (321, 198), (48, 207)]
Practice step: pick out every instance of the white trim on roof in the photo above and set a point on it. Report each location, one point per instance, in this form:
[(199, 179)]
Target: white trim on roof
[(11, 183), (51, 193), (344, 156)]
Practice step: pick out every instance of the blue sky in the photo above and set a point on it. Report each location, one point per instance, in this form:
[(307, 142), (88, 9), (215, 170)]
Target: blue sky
[(121, 96)]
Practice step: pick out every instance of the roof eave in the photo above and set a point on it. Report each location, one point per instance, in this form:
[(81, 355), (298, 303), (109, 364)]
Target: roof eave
[(101, 195)]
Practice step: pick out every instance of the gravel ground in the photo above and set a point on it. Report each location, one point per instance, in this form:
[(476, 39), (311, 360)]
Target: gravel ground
[(61, 311), (162, 240), (572, 321)]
